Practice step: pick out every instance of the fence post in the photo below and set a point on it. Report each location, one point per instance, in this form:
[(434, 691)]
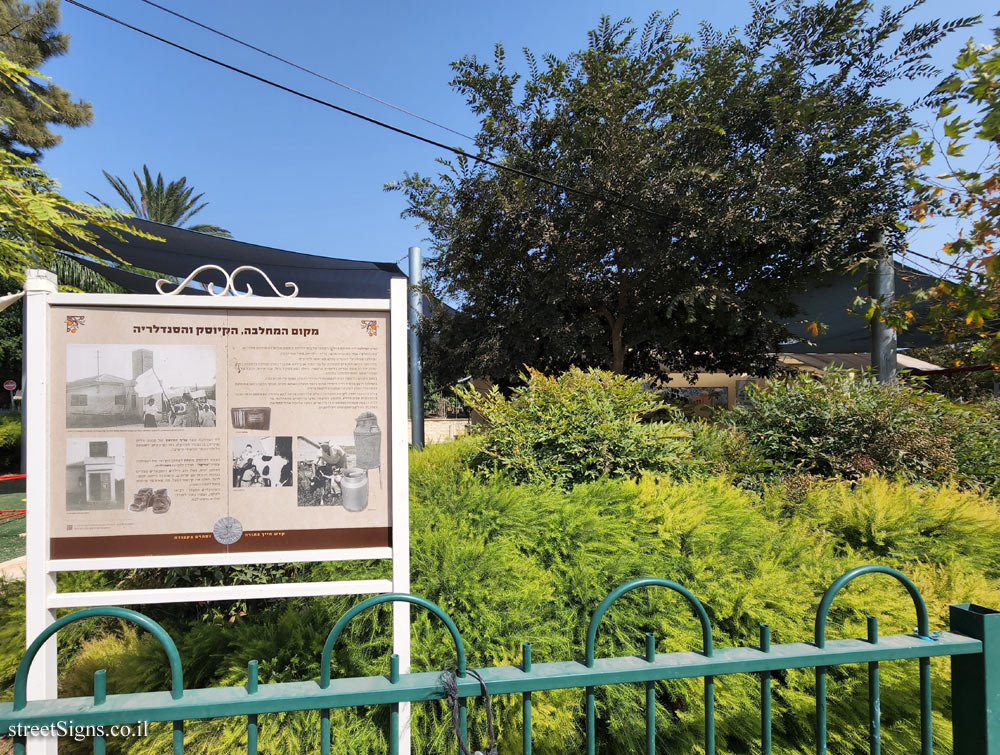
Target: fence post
[(975, 682)]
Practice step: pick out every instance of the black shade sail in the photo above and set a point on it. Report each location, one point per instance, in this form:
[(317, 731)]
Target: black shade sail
[(132, 282), (183, 251)]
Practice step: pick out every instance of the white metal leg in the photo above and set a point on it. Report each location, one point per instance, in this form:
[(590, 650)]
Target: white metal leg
[(39, 584)]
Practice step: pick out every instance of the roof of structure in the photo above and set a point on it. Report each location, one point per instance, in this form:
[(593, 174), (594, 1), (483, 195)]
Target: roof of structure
[(184, 251), (98, 379)]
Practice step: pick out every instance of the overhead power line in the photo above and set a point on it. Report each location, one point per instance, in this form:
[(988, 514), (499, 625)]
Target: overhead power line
[(311, 72), (374, 121)]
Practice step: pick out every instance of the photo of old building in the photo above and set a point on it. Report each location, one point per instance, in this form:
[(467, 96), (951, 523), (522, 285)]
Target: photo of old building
[(95, 474), (123, 385)]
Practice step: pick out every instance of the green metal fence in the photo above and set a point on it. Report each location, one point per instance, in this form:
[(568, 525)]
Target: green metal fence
[(973, 645)]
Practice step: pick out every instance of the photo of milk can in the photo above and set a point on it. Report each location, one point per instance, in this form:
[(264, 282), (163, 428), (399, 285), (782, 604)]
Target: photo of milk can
[(354, 489), (368, 441)]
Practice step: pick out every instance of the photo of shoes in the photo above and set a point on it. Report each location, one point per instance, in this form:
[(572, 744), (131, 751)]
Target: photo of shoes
[(141, 500), (160, 502)]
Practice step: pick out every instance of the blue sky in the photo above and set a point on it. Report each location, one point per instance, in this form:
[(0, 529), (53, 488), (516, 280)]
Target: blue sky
[(287, 173)]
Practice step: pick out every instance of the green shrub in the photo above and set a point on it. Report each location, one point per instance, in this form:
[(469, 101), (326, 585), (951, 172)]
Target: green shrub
[(513, 563), (845, 424), (11, 634), (10, 442), (576, 427), (976, 445)]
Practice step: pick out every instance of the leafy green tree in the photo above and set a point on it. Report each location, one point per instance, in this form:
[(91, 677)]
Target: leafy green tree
[(35, 220), (733, 169), (28, 38), (965, 139), (169, 203)]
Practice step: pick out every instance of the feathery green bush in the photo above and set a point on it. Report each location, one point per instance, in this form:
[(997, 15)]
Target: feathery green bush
[(513, 563)]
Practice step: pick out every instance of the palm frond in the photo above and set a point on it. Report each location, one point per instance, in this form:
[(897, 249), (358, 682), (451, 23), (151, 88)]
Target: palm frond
[(213, 230), (123, 191), (170, 203), (74, 275)]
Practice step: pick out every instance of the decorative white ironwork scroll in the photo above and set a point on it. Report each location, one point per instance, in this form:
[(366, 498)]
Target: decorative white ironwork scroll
[(230, 287)]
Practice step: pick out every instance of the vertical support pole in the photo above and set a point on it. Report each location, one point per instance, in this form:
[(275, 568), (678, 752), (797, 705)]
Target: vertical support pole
[(399, 454), (709, 715), (252, 718), (40, 584), (100, 696), (526, 701), (882, 288), (765, 694), (393, 707), (821, 710), (874, 700), (975, 682), (416, 314), (591, 723), (650, 698)]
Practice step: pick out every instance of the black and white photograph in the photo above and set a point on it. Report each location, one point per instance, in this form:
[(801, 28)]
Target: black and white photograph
[(262, 462), (329, 474), (251, 417), (133, 386), (95, 474)]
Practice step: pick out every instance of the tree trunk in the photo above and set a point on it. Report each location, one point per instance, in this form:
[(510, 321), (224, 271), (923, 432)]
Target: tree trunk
[(617, 324), (617, 345)]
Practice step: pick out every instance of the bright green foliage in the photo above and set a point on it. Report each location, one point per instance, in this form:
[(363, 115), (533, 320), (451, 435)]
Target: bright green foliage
[(28, 38), (168, 203), (11, 333), (74, 276), (574, 427), (12, 640), (34, 217), (845, 424), (954, 173), (528, 563), (10, 442)]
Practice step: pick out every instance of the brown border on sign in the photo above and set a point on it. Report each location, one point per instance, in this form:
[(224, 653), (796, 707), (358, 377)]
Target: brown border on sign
[(196, 543)]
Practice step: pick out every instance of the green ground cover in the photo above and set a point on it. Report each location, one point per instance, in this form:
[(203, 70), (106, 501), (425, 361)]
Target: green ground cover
[(11, 544)]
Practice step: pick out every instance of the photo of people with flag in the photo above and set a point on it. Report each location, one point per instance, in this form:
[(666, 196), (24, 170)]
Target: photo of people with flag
[(126, 385)]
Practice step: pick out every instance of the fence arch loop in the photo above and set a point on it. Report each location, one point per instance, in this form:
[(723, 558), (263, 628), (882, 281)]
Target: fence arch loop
[(699, 609), (923, 623), (173, 657), (392, 597)]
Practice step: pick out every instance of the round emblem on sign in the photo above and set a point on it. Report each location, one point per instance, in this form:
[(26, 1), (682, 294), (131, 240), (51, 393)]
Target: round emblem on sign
[(228, 530)]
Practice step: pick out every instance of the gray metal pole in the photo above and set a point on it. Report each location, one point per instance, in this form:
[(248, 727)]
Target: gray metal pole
[(882, 287), (416, 314)]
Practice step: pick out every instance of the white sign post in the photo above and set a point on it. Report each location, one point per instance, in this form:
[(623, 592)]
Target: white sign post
[(211, 430)]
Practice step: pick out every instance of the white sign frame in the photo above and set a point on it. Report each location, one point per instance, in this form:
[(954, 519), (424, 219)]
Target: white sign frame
[(42, 598)]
